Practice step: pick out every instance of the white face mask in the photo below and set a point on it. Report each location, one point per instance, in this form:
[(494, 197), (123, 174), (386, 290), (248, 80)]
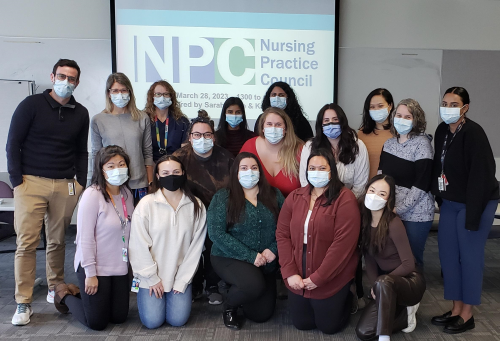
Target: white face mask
[(120, 100), (374, 203), (403, 126), (450, 115), (278, 102), (249, 178), (117, 176), (379, 115), (273, 135), (202, 145), (162, 102), (63, 88)]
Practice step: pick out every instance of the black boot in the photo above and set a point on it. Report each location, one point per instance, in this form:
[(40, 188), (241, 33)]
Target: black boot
[(230, 317)]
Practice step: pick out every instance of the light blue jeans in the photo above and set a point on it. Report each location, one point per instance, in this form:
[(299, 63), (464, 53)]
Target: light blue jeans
[(171, 308)]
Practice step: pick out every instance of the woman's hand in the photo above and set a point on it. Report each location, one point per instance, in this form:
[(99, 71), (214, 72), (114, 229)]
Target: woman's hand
[(295, 282), (260, 260), (91, 284), (373, 294), (308, 284), (157, 289), (269, 255)]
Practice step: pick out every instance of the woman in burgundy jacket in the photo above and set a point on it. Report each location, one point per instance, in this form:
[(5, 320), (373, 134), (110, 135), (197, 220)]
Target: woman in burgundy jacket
[(317, 234)]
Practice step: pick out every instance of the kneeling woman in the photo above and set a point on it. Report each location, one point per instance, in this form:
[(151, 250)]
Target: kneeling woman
[(317, 235), (241, 222), (101, 261), (166, 241), (397, 286)]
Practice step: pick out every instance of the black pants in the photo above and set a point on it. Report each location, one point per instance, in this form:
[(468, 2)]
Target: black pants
[(388, 313), (330, 315), (109, 304), (205, 270), (250, 288)]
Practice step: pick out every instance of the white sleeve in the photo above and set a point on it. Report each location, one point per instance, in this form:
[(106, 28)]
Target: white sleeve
[(361, 170), (306, 151)]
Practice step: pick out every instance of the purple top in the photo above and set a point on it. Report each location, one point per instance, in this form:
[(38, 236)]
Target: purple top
[(99, 234)]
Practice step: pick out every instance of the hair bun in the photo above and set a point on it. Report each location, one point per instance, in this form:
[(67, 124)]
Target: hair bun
[(203, 114)]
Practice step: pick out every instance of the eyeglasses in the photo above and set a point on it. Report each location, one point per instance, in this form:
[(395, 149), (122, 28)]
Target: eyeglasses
[(207, 135), (62, 77), (160, 94), (119, 91)]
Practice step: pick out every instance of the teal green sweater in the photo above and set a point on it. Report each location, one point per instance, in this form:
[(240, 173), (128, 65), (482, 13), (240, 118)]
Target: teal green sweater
[(253, 234)]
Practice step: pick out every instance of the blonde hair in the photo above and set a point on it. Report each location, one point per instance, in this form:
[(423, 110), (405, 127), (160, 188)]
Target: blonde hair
[(175, 108), (289, 152), (122, 79)]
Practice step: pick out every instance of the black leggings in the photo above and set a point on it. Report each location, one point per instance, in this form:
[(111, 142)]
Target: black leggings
[(250, 288), (109, 304), (205, 270), (330, 315)]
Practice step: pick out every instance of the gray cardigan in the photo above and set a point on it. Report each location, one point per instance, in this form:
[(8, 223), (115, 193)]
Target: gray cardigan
[(133, 136)]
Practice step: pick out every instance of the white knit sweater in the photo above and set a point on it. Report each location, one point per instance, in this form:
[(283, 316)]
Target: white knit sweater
[(166, 244)]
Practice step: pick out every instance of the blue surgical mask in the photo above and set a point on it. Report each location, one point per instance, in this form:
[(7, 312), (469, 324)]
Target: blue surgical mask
[(332, 130), (450, 115), (117, 176), (249, 178), (63, 88), (318, 179), (273, 135), (203, 145), (162, 102), (402, 126), (278, 102), (234, 120), (379, 115), (120, 100)]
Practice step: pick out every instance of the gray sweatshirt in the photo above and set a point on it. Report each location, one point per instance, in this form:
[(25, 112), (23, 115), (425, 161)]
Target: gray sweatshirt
[(133, 136)]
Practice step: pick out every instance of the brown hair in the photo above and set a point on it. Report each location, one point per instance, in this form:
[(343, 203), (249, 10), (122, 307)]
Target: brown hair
[(378, 243), (291, 143), (122, 79), (175, 108)]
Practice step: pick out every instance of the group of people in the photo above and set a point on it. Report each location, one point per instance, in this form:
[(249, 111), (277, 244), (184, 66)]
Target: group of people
[(188, 210)]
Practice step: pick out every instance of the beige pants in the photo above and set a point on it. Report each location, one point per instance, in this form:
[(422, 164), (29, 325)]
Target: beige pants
[(36, 199)]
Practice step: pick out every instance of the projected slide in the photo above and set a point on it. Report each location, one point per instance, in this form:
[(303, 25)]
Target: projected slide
[(209, 56)]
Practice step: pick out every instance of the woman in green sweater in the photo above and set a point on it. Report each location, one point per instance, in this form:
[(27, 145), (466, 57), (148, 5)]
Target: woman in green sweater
[(241, 223)]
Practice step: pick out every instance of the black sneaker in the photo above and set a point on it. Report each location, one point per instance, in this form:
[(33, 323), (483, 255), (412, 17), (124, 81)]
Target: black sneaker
[(214, 296)]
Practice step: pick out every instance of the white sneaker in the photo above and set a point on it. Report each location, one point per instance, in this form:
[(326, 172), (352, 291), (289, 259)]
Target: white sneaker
[(22, 315), (50, 296), (412, 319)]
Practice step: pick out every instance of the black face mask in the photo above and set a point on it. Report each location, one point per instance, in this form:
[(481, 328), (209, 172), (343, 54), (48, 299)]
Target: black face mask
[(172, 182)]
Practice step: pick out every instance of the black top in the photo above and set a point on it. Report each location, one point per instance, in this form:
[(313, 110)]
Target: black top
[(48, 139), (301, 127), (235, 139), (177, 134), (469, 167)]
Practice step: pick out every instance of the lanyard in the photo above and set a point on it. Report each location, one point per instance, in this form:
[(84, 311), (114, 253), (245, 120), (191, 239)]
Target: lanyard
[(123, 221), (445, 150), (162, 150)]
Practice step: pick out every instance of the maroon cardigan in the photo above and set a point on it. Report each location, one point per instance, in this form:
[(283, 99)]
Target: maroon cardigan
[(332, 255)]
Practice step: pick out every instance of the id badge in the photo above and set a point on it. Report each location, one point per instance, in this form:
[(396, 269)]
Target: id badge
[(441, 184), (124, 254), (71, 188), (135, 284)]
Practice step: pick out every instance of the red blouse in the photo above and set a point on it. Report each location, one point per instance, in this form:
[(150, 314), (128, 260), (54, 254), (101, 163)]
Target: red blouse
[(281, 181)]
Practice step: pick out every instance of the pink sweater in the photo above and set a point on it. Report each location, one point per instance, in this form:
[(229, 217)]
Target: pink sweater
[(99, 234)]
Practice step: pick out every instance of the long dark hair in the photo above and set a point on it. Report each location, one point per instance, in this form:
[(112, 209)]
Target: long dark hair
[(155, 186), (223, 125), (461, 92), (293, 108), (368, 124), (236, 196), (102, 157), (378, 243), (335, 185), (348, 145)]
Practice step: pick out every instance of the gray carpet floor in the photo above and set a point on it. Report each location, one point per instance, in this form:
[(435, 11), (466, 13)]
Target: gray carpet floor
[(205, 322)]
